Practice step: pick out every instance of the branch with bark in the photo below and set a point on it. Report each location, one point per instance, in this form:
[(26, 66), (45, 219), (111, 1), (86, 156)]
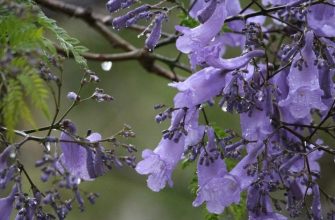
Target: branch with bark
[(100, 23)]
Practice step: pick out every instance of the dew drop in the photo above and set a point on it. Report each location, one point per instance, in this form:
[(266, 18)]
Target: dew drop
[(47, 146), (12, 154), (259, 95), (106, 66), (224, 107)]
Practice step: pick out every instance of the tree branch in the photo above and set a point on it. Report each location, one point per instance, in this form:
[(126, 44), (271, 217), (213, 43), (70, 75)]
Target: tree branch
[(98, 22)]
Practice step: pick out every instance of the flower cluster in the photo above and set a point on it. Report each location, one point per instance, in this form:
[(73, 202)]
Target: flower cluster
[(156, 13), (82, 159), (279, 95)]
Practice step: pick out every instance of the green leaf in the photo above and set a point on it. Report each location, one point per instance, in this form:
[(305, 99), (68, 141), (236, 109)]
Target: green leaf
[(210, 216), (218, 131), (185, 163), (67, 43), (34, 88), (23, 30), (230, 163), (14, 107), (237, 211), (187, 21), (193, 186), (226, 29)]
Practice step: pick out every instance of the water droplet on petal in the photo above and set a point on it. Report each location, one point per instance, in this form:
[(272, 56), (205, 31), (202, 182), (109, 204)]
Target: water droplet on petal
[(259, 95), (47, 146), (107, 65)]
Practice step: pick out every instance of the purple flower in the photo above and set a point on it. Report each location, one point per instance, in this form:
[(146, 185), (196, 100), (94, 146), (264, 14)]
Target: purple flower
[(259, 205), (327, 72), (121, 21), (321, 19), (200, 56), (195, 132), (234, 63), (6, 172), (4, 156), (200, 87), (220, 191), (233, 8), (312, 157), (197, 89), (240, 171), (206, 12), (155, 34), (255, 126), (316, 204), (82, 162), (72, 96), (95, 163), (296, 164), (275, 2), (197, 5), (193, 39), (114, 5), (160, 163), (218, 187), (6, 204), (303, 80)]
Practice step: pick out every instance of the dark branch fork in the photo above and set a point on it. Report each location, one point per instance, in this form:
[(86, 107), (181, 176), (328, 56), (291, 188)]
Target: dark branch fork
[(100, 23)]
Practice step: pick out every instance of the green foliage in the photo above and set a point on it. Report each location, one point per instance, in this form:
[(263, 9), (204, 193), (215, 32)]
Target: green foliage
[(187, 21), (14, 107), (226, 29), (237, 211), (23, 46), (193, 186), (220, 133), (234, 211), (185, 163), (210, 216), (230, 163), (67, 43), (34, 88)]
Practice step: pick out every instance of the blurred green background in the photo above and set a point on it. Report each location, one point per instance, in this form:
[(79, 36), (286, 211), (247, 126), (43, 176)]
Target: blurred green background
[(123, 193)]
